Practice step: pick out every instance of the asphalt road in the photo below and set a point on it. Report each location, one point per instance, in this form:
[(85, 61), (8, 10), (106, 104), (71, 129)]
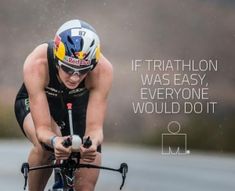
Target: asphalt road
[(149, 170)]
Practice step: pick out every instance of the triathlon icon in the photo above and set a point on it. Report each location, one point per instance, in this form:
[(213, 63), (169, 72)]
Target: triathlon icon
[(174, 143)]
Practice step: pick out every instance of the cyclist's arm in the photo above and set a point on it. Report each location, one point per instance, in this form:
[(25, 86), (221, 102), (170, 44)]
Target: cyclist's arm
[(36, 78), (99, 83)]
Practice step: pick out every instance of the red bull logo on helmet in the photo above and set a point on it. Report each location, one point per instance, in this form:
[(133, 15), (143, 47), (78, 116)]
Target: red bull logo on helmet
[(81, 55), (75, 61), (59, 48)]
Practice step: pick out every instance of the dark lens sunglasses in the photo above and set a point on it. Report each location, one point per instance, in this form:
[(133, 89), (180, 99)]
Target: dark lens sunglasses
[(71, 71)]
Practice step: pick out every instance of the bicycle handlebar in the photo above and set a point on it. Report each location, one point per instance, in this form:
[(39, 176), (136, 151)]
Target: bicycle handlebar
[(25, 169), (68, 142)]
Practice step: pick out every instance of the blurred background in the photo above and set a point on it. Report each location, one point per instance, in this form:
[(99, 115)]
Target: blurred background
[(132, 29), (136, 29)]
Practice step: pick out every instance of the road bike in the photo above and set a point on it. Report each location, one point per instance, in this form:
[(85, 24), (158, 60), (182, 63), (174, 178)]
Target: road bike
[(64, 171)]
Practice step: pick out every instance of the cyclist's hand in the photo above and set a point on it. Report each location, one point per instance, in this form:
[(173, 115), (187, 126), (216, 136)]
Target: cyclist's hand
[(88, 154), (61, 153)]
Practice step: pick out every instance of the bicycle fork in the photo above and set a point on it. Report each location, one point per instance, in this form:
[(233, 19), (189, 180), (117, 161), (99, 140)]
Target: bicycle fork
[(64, 179)]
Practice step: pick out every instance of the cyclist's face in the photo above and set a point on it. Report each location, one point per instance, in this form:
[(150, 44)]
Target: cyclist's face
[(71, 81)]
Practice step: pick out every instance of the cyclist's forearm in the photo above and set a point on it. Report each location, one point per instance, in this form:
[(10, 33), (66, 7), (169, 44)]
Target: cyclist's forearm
[(44, 135), (96, 135)]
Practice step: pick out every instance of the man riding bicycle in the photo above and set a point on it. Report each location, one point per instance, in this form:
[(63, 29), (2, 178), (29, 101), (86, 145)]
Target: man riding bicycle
[(68, 69)]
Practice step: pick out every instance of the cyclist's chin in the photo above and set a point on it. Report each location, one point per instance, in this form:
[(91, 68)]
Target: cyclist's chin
[(70, 85)]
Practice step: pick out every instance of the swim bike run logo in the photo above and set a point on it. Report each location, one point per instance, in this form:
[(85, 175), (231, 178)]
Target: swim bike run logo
[(174, 87)]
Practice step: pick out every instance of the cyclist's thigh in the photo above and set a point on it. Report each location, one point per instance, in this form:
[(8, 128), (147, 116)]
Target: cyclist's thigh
[(29, 128), (86, 178)]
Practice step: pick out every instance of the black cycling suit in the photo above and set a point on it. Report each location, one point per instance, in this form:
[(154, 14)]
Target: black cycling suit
[(58, 96)]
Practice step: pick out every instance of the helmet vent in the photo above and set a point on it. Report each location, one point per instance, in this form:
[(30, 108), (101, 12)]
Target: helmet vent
[(92, 43), (73, 51), (87, 55), (70, 40)]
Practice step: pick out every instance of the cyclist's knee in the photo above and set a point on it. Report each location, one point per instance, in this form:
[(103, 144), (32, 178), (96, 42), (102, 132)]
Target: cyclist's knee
[(87, 187), (42, 155), (86, 179)]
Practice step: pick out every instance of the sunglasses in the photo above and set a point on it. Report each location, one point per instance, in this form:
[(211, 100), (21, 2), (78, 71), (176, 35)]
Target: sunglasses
[(71, 70)]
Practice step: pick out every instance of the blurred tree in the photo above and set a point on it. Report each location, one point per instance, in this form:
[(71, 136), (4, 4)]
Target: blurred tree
[(8, 124)]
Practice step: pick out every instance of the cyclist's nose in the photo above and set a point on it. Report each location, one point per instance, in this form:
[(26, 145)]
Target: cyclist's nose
[(75, 77)]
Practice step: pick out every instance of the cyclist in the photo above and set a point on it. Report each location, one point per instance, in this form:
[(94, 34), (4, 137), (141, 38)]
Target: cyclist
[(68, 69)]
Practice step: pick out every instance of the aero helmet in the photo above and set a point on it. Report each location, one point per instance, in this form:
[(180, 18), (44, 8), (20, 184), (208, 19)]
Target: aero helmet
[(77, 44)]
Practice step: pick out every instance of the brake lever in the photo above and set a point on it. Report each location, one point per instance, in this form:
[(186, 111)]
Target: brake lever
[(25, 171), (67, 142), (123, 170), (87, 142)]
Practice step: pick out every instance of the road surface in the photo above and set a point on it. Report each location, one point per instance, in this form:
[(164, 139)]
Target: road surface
[(149, 170)]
